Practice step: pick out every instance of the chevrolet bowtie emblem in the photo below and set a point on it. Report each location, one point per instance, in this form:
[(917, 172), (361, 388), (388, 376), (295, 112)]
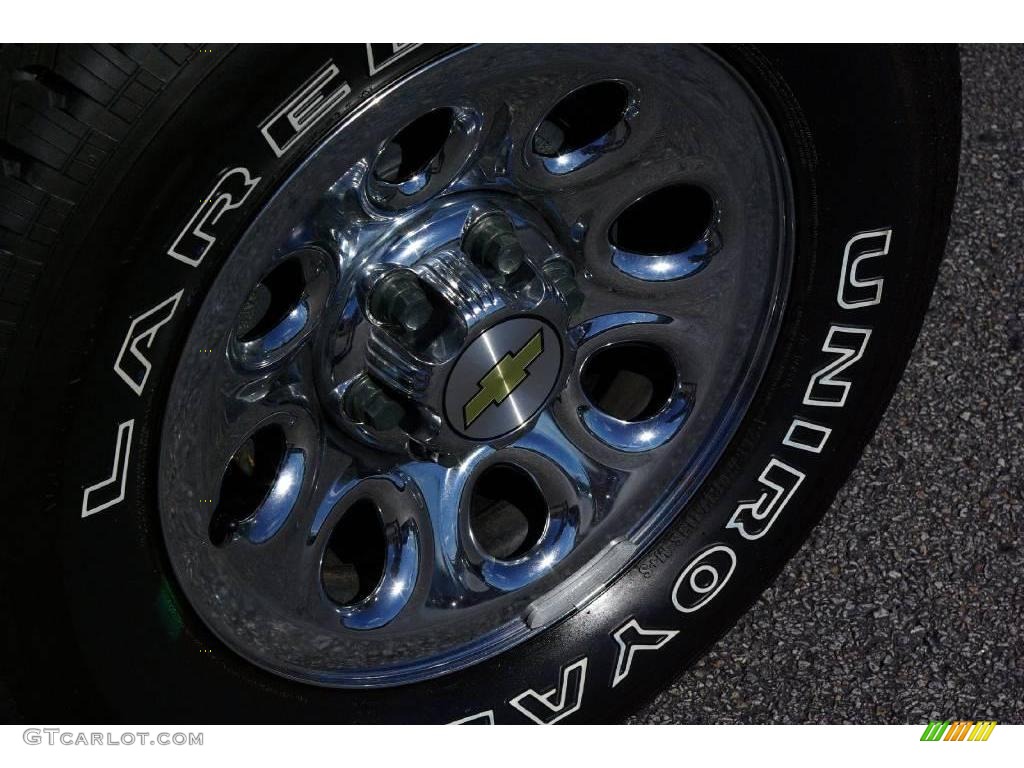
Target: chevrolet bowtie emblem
[(502, 380)]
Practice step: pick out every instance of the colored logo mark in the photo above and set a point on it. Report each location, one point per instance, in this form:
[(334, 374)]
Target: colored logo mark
[(958, 730)]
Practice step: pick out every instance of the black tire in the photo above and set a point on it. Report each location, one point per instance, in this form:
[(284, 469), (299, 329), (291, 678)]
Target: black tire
[(107, 149)]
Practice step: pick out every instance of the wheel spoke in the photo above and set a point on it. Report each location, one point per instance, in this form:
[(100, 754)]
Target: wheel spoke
[(590, 481), (247, 401), (440, 492)]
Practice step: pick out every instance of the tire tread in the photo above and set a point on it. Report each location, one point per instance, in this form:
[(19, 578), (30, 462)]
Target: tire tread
[(64, 109)]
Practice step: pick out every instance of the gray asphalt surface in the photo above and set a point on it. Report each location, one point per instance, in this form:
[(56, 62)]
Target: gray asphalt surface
[(907, 602)]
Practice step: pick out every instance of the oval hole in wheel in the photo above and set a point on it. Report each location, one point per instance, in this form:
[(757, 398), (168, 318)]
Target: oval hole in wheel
[(508, 512), (356, 553), (667, 221), (630, 381), (413, 148), (581, 118), (274, 298), (248, 479)]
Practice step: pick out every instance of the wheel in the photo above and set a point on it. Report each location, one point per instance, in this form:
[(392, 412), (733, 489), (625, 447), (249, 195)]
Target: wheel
[(430, 384)]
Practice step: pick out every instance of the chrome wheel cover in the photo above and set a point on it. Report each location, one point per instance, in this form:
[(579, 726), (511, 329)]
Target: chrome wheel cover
[(311, 420)]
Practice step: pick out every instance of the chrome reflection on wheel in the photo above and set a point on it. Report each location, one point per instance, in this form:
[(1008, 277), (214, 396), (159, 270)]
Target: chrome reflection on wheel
[(496, 328)]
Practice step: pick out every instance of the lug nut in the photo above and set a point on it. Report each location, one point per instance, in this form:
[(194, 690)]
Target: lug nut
[(398, 298), (562, 275), (492, 241), (368, 403)]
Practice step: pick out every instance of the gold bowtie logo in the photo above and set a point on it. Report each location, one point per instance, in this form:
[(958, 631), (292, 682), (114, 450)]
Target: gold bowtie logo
[(502, 380)]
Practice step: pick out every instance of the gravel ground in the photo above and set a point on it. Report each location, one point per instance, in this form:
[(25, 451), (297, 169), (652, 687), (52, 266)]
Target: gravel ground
[(907, 603)]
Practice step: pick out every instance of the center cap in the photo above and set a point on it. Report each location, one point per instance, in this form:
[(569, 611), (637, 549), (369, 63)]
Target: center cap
[(503, 378)]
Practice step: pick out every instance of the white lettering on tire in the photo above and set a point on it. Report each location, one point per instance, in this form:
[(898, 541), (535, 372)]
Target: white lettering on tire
[(849, 343), (799, 436), (283, 127), (131, 364), (379, 56), (631, 637), (753, 519), (197, 238), (558, 703), (107, 493), (690, 593), (866, 245), (480, 718)]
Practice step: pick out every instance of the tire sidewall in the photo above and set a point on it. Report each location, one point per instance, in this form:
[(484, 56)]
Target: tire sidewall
[(869, 154)]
